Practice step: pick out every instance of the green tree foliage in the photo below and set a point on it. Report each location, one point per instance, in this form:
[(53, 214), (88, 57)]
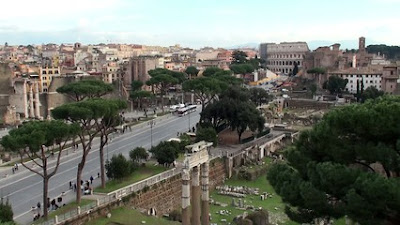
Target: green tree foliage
[(335, 84), (192, 71), (6, 213), (317, 70), (207, 134), (241, 68), (138, 96), (239, 57), (313, 88), (166, 152), (138, 154), (235, 109), (94, 116), (83, 89), (136, 85), (371, 93), (256, 62), (89, 89), (185, 140), (118, 167), (391, 52), (329, 172), (204, 88), (259, 96), (162, 80), (210, 71), (34, 140)]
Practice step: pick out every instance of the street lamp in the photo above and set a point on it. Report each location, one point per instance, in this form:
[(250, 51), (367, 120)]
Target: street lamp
[(151, 123)]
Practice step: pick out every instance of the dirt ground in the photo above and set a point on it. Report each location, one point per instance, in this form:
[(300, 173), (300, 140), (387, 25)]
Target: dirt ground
[(229, 137)]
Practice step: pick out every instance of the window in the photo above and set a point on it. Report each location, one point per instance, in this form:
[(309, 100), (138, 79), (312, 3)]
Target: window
[(50, 72), (370, 82), (44, 89), (56, 72), (44, 72)]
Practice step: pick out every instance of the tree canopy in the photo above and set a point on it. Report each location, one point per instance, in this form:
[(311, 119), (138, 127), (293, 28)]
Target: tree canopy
[(90, 88), (204, 88), (209, 71), (317, 70), (242, 68), (207, 134), (235, 109), (138, 154), (192, 71), (118, 167), (239, 57), (348, 164), (335, 84), (166, 152), (391, 52), (34, 140), (371, 93), (94, 116), (259, 96)]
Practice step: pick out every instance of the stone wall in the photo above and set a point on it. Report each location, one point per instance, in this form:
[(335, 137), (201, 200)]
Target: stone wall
[(306, 104), (164, 196)]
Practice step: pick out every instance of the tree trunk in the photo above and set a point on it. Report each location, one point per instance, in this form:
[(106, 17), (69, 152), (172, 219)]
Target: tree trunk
[(162, 101), (240, 136), (45, 194), (103, 142), (78, 183)]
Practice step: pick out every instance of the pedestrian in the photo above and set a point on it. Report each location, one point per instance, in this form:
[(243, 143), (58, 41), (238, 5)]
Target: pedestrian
[(154, 111), (193, 129), (98, 175), (38, 205), (81, 182), (70, 185), (91, 179), (13, 170), (74, 187)]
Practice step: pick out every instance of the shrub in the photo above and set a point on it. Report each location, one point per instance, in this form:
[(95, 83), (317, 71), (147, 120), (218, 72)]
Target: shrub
[(118, 167), (207, 134), (6, 213)]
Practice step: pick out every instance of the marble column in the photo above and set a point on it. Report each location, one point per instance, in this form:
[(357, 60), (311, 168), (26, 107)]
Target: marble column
[(196, 204), (185, 197), (205, 207), (31, 109), (37, 102)]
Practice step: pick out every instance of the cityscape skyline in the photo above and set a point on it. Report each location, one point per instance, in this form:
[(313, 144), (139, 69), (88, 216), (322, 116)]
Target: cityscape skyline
[(198, 24)]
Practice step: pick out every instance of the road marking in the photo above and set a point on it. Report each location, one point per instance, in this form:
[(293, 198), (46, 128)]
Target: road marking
[(78, 157)]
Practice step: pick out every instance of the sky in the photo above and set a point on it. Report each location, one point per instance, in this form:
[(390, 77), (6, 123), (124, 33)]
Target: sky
[(195, 23)]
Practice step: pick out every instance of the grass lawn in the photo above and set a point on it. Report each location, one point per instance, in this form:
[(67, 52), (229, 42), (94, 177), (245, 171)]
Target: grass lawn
[(277, 216), (129, 216), (140, 174), (64, 209)]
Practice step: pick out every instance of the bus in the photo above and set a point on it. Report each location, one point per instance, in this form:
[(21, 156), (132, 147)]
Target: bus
[(186, 110)]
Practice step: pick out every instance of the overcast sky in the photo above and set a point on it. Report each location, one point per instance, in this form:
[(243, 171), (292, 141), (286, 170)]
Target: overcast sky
[(196, 23)]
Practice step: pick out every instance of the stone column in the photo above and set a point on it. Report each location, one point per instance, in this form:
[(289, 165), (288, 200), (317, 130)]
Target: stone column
[(196, 196), (37, 102), (31, 109), (205, 207), (185, 197)]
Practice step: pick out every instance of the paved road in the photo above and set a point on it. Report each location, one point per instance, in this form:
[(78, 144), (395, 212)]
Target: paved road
[(24, 189)]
